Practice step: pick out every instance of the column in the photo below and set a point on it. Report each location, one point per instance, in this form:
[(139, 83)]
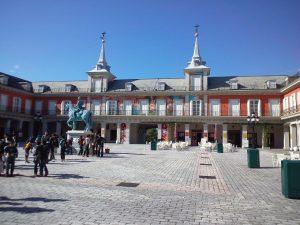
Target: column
[(187, 133), (187, 106), (159, 131), (118, 133), (293, 136), (58, 128), (30, 129), (286, 137), (7, 126), (205, 105), (245, 142), (298, 134), (103, 129), (44, 127), (127, 134), (20, 129), (224, 133), (205, 132)]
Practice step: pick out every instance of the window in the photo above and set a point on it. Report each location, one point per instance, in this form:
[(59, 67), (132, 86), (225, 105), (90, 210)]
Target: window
[(293, 102), (274, 107), (144, 104), (68, 87), (178, 107), (3, 79), (271, 84), (161, 107), (253, 106), (38, 106), (64, 110), (28, 106), (161, 86), (128, 86), (3, 102), (111, 107), (196, 83), (98, 85), (127, 106), (196, 108), (96, 107), (52, 107), (17, 104), (233, 84), (234, 107), (215, 107), (285, 104)]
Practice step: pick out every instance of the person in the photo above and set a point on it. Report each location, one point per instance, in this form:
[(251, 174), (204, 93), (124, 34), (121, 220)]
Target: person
[(100, 146), (62, 144), (44, 158), (81, 144), (87, 141), (3, 144), (27, 148), (36, 155), (78, 108), (11, 152)]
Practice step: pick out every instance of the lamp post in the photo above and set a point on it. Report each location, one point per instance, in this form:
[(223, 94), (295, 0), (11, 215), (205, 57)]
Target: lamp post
[(253, 119), (38, 117)]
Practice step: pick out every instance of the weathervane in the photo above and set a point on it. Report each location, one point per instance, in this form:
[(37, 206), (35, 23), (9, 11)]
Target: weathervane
[(196, 29), (102, 37)]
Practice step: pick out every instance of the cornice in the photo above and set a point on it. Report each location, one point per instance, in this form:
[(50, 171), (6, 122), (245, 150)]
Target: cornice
[(16, 90)]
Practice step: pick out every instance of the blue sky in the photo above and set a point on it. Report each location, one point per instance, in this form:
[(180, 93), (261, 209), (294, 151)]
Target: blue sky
[(60, 39)]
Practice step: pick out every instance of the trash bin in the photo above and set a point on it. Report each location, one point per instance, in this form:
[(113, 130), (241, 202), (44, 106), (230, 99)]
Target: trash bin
[(153, 145), (220, 148), (290, 178), (253, 158)]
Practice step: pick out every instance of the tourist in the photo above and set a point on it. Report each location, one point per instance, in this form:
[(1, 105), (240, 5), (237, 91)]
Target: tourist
[(87, 142), (81, 144), (62, 144), (11, 152), (27, 147)]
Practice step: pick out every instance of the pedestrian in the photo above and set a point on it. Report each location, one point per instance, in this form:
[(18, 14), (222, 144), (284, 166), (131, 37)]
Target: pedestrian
[(81, 144), (44, 159), (3, 144), (62, 144), (50, 143), (11, 152), (27, 148), (37, 155), (87, 141)]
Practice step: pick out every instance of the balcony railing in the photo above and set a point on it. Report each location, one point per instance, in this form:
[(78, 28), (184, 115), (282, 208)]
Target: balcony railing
[(138, 112)]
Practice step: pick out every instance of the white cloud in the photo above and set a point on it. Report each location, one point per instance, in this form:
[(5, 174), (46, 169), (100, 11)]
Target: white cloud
[(16, 66)]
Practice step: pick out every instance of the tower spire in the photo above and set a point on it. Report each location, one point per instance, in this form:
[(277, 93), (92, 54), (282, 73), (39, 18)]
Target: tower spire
[(196, 59), (102, 64)]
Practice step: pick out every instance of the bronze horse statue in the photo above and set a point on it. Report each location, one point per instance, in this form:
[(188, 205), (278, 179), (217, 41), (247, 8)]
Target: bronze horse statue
[(84, 115)]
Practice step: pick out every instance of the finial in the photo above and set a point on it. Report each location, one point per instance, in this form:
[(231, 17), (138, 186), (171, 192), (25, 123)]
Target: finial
[(196, 30), (102, 37)]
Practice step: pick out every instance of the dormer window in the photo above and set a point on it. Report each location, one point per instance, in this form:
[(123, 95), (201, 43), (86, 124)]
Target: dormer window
[(271, 84), (128, 86), (3, 79), (161, 86), (69, 87), (25, 85), (42, 88), (234, 84)]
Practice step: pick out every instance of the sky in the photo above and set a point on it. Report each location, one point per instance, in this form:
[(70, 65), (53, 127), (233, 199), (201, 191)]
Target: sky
[(60, 39)]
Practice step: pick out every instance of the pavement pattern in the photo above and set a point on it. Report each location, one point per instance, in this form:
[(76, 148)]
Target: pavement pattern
[(173, 187)]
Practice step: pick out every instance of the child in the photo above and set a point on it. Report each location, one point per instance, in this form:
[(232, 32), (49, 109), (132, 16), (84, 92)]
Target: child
[(27, 148)]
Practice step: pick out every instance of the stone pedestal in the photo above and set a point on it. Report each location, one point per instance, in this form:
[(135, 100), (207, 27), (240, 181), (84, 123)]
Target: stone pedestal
[(75, 134)]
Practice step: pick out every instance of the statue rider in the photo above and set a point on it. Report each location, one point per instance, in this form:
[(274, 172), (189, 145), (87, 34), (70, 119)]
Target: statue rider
[(78, 108)]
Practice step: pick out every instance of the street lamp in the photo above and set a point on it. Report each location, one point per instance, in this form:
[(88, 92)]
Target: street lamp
[(38, 117), (253, 119)]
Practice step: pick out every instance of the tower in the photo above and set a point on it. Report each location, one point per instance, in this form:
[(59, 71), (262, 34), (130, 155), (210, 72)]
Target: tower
[(196, 72)]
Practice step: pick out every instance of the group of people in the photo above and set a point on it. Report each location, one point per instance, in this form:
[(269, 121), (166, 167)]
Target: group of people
[(43, 150)]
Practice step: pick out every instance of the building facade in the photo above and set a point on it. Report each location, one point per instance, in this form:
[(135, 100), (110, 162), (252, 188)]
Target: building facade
[(194, 107)]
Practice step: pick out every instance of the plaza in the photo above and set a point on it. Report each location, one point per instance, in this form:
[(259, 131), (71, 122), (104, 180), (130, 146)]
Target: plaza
[(134, 185)]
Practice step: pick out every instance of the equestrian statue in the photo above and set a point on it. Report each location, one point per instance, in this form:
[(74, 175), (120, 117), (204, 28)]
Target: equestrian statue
[(79, 113)]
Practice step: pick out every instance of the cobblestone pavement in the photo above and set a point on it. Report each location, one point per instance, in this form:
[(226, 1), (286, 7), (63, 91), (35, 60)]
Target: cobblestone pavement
[(170, 191)]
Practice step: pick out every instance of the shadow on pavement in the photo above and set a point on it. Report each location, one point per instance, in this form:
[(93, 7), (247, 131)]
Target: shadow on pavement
[(67, 176), (25, 210)]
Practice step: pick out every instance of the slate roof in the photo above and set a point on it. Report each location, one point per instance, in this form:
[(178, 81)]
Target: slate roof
[(18, 83), (214, 83)]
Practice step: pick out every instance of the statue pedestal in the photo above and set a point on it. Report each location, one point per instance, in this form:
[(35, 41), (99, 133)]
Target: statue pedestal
[(75, 134)]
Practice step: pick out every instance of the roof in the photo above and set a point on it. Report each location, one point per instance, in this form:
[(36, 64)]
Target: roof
[(18, 83)]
